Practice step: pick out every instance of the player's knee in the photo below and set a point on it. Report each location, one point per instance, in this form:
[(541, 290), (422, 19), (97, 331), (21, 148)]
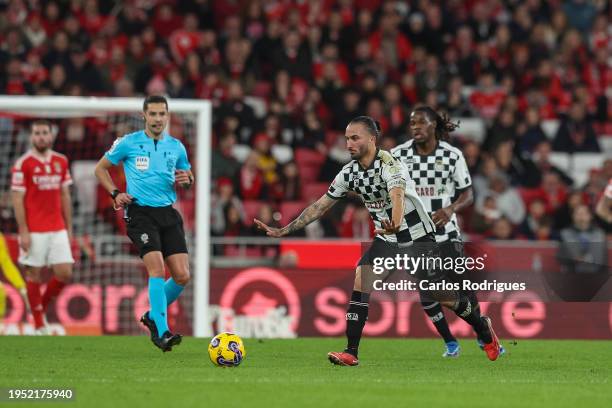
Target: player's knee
[(63, 272), (33, 274), (182, 278)]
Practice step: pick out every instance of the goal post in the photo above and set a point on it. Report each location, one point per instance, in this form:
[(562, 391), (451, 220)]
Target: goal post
[(59, 107)]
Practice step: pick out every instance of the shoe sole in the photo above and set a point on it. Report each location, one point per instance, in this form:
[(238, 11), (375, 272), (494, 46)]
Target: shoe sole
[(335, 360), (449, 355)]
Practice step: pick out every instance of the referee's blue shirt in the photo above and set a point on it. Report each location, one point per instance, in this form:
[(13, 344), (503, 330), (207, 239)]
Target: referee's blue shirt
[(149, 166)]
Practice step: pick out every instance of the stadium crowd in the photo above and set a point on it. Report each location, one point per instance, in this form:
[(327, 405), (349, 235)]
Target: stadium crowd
[(285, 77)]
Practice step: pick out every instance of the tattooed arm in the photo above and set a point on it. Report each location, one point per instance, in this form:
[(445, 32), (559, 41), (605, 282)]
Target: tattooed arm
[(311, 213)]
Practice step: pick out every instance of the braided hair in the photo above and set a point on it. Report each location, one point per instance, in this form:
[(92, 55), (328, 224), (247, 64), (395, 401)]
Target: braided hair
[(373, 126), (444, 126)]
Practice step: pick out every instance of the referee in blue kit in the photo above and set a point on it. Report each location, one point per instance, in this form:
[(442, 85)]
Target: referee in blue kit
[(153, 162)]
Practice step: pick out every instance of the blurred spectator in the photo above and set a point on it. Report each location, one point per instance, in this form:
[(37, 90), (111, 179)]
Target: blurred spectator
[(292, 56), (530, 133), (14, 82), (346, 110), (471, 153), (290, 182), (485, 214), (456, 104), (337, 157), (266, 163), (502, 229), (250, 179), (563, 214), (487, 98), (313, 135), (220, 199), (507, 199), (236, 107), (541, 158), (521, 170), (430, 78), (234, 225), (503, 129), (583, 245), (223, 162), (537, 225), (34, 31), (576, 133), (83, 72), (580, 14), (356, 224)]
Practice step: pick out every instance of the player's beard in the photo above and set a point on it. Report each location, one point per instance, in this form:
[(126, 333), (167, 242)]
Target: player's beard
[(361, 151), (42, 149)]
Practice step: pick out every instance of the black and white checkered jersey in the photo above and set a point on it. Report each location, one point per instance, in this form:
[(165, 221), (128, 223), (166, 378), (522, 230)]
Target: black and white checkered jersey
[(373, 185), (438, 177)]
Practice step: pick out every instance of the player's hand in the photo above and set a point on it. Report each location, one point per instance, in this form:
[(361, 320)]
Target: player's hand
[(442, 216), (270, 231), (183, 178), (387, 228), (123, 199), (25, 240)]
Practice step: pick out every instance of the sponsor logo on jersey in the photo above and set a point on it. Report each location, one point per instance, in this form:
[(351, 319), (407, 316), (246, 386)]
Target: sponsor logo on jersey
[(376, 204), (142, 163), (439, 165), (47, 181), (57, 167), (425, 191)]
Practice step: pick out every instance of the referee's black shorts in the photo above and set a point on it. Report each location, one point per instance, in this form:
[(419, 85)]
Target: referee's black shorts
[(156, 229)]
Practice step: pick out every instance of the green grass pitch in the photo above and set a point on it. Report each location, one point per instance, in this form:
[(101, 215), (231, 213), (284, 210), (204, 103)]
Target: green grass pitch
[(115, 371)]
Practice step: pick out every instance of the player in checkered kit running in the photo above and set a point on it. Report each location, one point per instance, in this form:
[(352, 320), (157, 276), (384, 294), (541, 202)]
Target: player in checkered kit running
[(443, 182), (397, 212)]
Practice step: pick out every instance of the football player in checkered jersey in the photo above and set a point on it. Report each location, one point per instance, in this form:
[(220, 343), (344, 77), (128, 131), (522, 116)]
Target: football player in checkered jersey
[(443, 182), (398, 214)]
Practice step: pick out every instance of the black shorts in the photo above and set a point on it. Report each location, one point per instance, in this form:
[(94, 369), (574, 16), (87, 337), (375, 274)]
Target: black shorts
[(156, 229), (423, 247)]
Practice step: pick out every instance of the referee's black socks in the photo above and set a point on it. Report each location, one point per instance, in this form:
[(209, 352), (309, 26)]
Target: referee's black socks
[(356, 317)]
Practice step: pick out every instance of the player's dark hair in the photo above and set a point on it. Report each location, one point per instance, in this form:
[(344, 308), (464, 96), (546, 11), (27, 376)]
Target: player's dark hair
[(154, 99), (373, 126), (40, 122), (444, 126)]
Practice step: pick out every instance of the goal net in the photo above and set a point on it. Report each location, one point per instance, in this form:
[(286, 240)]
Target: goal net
[(108, 292)]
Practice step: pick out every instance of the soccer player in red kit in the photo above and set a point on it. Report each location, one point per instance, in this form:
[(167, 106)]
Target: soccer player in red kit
[(40, 186)]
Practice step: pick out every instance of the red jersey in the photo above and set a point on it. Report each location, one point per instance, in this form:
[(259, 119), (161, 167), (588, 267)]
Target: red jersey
[(42, 181)]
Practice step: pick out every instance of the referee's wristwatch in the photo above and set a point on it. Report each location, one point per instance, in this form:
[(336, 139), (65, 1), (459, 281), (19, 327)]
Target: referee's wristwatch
[(115, 193)]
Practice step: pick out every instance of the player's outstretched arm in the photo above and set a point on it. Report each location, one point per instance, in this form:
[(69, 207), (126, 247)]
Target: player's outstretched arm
[(442, 216), (310, 213), (392, 226), (106, 180)]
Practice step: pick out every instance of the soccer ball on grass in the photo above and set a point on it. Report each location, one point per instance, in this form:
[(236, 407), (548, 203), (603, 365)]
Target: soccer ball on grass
[(226, 350)]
